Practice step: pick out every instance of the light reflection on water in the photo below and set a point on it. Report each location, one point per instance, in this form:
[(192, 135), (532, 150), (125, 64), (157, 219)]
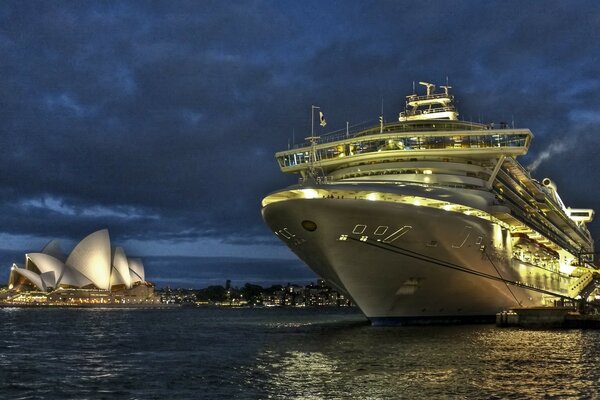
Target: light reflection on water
[(282, 354), (553, 363), (299, 373)]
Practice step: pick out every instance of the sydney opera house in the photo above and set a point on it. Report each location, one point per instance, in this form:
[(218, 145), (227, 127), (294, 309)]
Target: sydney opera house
[(93, 272)]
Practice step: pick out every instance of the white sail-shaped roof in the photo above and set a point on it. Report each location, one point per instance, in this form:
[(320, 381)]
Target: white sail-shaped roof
[(53, 249), (72, 277), (29, 266), (137, 270), (65, 276), (12, 278), (49, 268), (31, 276), (48, 279), (90, 264), (92, 257), (45, 262), (120, 273)]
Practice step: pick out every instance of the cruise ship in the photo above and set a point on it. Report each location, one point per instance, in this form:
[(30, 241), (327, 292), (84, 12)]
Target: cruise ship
[(431, 219)]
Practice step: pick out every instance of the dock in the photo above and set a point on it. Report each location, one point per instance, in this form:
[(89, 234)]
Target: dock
[(547, 317)]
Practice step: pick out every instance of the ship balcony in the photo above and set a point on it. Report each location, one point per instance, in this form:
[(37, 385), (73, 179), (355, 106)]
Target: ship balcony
[(428, 111), (481, 144), (444, 102), (438, 97)]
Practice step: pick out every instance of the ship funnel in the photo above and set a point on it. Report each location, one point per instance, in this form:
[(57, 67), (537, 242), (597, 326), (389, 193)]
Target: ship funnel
[(554, 192), (548, 183)]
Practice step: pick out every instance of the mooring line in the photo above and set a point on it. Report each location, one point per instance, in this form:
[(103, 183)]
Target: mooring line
[(446, 264)]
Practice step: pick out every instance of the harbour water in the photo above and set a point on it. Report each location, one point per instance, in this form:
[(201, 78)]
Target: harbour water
[(204, 353)]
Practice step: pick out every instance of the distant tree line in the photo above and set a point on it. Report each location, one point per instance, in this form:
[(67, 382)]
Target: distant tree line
[(318, 294)]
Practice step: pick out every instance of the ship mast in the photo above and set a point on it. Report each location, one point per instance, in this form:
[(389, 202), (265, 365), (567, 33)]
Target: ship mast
[(312, 157), (432, 105)]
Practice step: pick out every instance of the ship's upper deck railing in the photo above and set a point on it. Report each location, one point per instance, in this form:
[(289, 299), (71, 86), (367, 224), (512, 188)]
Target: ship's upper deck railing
[(411, 126), (414, 97), (340, 134), (399, 144), (428, 111)]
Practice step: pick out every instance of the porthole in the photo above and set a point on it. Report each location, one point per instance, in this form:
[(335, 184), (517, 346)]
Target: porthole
[(309, 225)]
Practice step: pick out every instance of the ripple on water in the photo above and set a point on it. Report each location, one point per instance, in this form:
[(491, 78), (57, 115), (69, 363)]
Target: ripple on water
[(282, 354)]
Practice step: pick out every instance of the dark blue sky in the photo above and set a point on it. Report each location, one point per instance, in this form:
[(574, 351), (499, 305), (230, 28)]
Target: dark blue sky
[(159, 120)]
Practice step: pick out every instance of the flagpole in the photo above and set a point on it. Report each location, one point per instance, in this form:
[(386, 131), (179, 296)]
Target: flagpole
[(381, 118), (313, 141), (312, 120)]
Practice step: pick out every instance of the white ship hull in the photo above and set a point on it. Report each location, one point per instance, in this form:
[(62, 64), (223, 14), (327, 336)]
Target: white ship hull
[(403, 263)]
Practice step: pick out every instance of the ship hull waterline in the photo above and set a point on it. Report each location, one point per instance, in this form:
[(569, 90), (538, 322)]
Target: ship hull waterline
[(398, 281)]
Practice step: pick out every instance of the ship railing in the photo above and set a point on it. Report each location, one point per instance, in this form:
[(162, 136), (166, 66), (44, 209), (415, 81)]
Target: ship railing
[(361, 129), (361, 145), (410, 113), (339, 134), (318, 180), (543, 226), (414, 97)]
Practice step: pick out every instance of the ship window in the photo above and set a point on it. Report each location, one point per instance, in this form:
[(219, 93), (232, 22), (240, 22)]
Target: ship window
[(580, 214), (358, 229), (400, 232), (288, 232), (381, 230), (309, 225), (285, 234)]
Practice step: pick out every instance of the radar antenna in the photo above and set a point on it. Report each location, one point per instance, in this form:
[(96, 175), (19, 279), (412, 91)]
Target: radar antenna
[(430, 87), (446, 89)]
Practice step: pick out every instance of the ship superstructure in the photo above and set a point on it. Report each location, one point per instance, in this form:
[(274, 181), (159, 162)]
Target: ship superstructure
[(431, 218)]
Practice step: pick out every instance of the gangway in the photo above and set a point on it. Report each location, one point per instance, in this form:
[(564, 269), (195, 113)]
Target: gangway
[(585, 285)]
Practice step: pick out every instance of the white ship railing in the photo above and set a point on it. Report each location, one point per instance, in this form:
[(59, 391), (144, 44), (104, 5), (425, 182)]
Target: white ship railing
[(397, 127), (414, 97), (410, 113), (509, 141)]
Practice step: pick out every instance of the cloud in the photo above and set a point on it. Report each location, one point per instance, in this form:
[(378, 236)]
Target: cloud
[(159, 120)]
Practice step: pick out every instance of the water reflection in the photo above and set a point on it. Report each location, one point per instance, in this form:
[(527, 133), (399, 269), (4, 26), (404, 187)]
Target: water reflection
[(211, 354), (534, 362), (439, 362), (297, 374)]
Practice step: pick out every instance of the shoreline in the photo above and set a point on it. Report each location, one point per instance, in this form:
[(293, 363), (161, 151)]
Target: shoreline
[(123, 306)]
